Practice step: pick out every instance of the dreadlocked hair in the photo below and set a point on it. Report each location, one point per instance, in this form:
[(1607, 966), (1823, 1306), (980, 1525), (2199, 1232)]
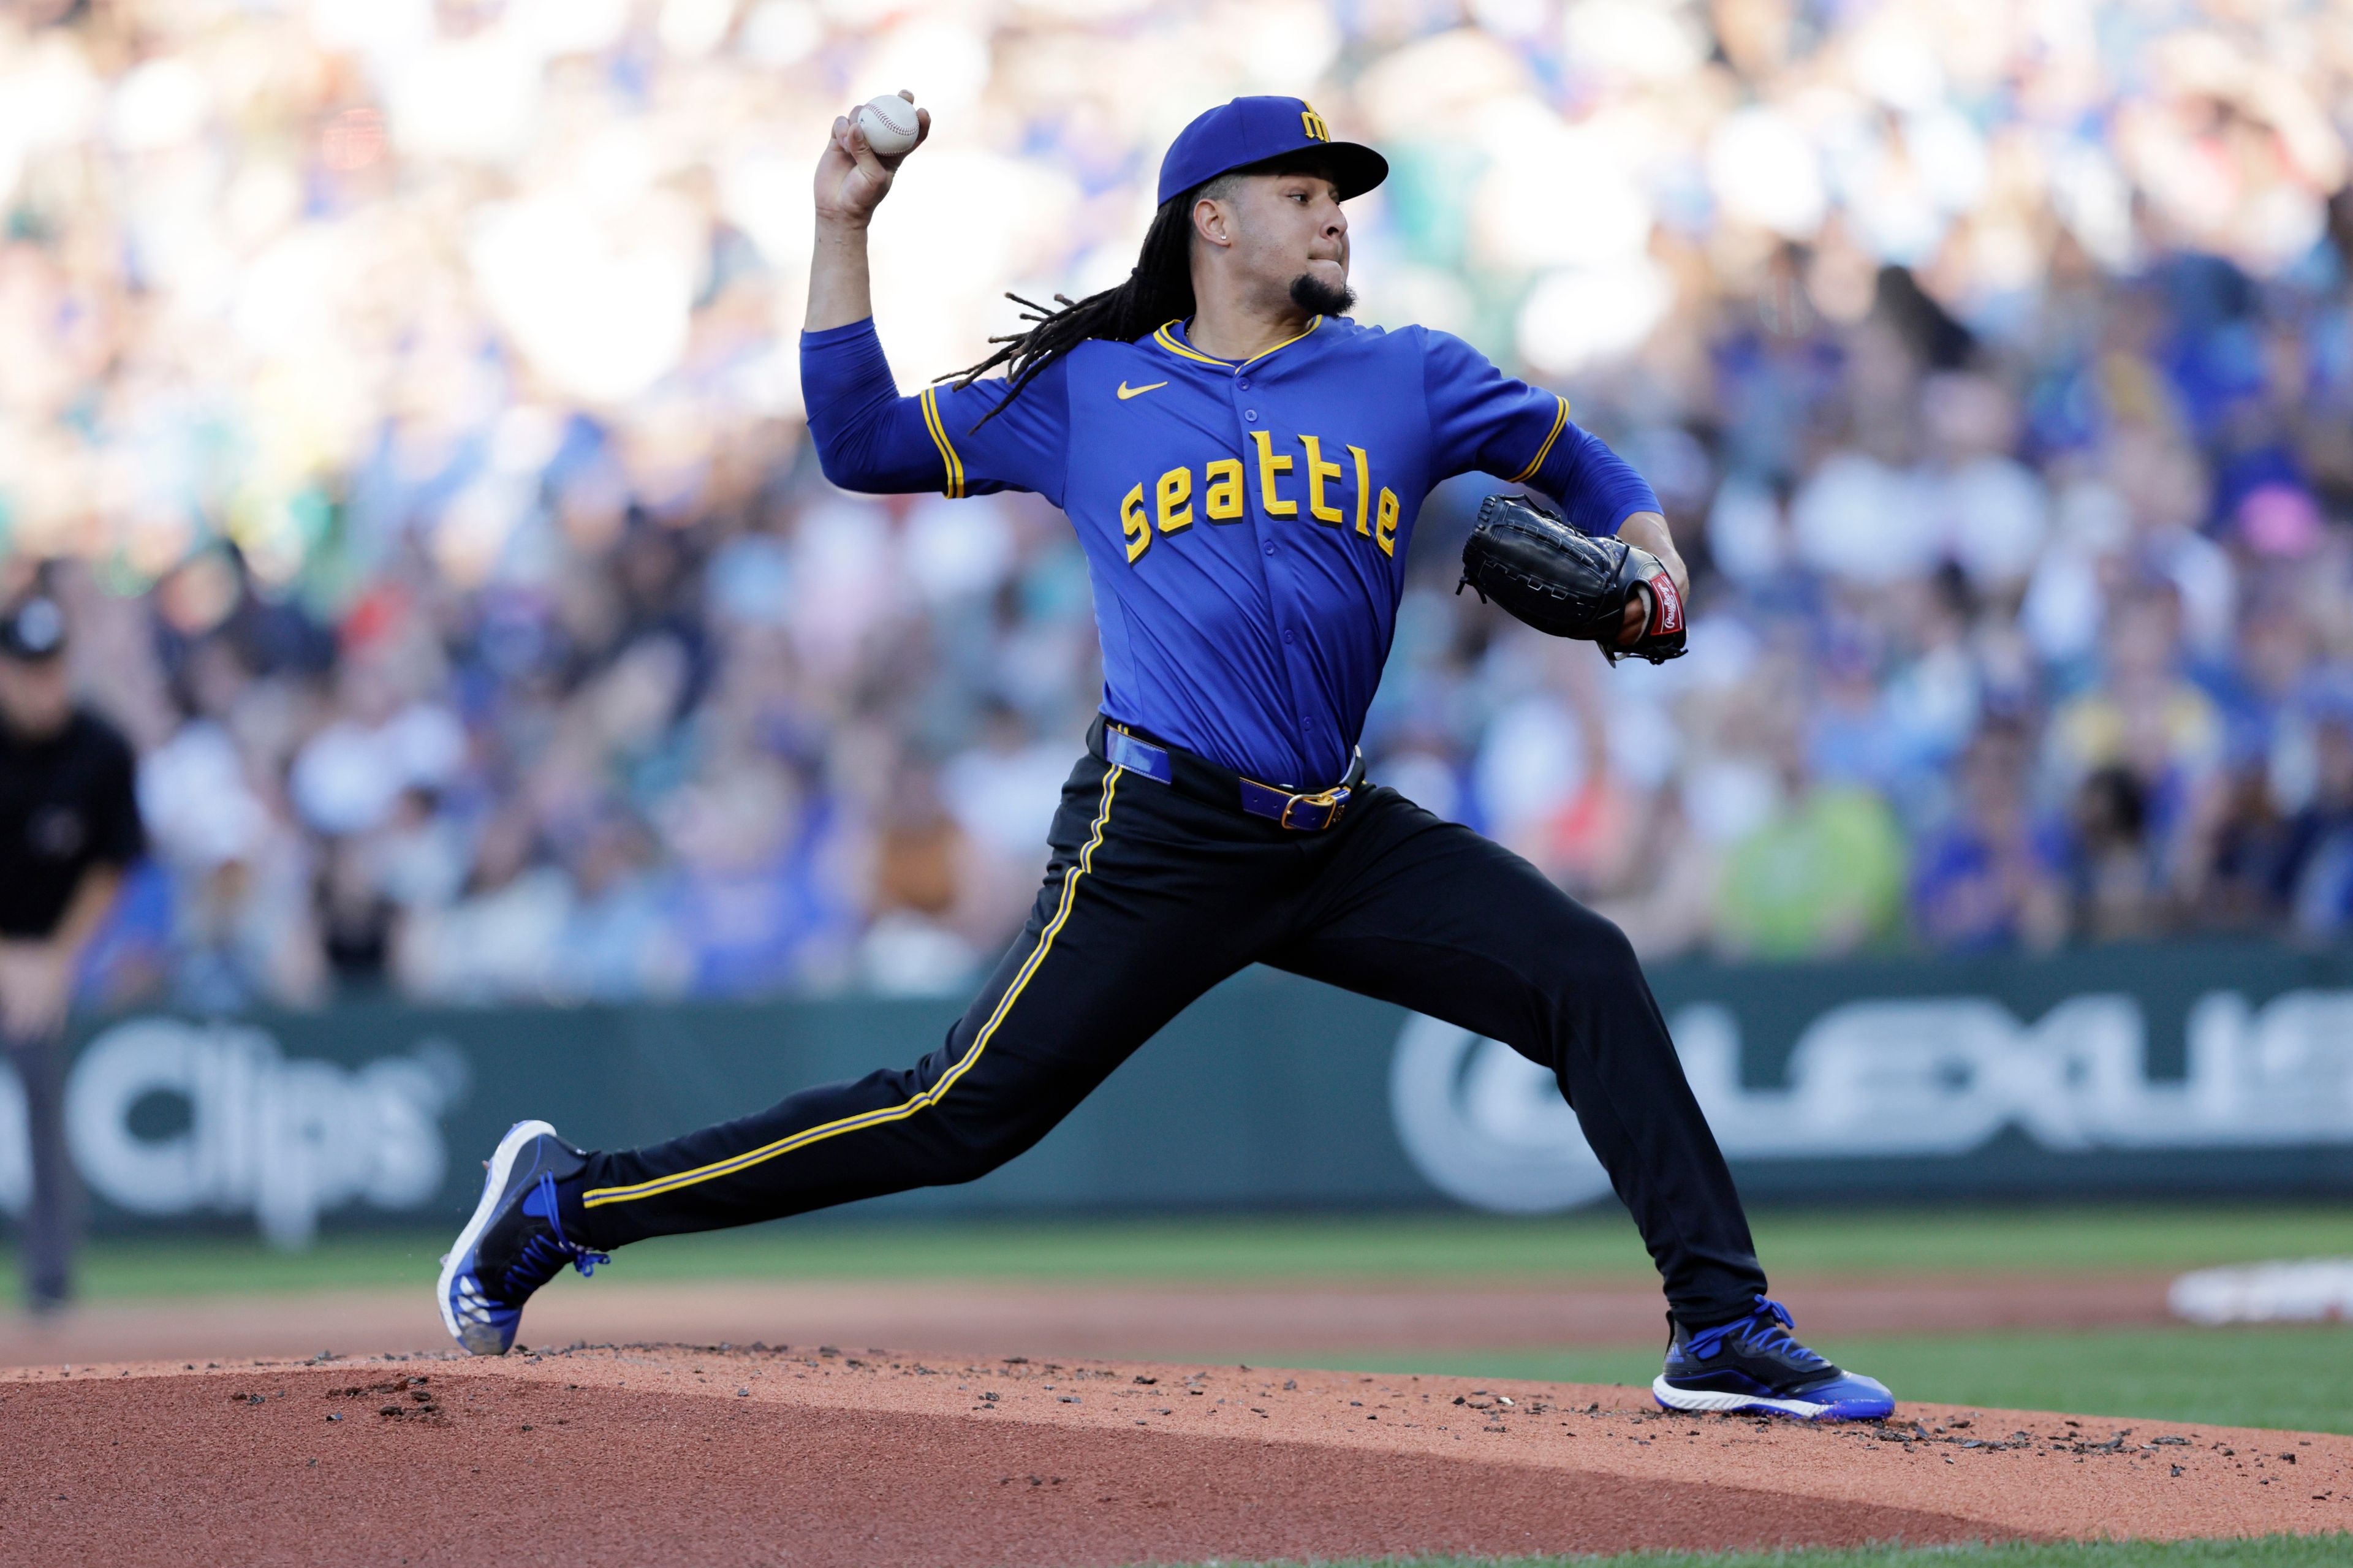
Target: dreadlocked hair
[(1159, 289)]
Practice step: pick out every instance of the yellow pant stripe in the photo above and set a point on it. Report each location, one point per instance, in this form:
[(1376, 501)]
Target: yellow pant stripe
[(1559, 423), (951, 486), (596, 1197)]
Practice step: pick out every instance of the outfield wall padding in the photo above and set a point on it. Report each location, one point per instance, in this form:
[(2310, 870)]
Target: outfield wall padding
[(2207, 1071)]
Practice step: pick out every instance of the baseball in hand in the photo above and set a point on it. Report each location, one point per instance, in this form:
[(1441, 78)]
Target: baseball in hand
[(889, 123)]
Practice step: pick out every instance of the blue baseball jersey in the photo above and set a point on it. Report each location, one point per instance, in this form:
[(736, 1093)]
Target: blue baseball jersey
[(1245, 522)]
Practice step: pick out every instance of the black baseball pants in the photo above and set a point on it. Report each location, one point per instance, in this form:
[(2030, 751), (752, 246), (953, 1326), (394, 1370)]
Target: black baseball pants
[(1152, 898), (52, 1208)]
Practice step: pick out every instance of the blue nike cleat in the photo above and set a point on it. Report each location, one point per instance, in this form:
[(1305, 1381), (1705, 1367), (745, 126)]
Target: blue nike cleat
[(515, 1242), (1754, 1364)]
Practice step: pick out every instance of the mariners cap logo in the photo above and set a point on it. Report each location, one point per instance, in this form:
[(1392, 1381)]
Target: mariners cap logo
[(1250, 131)]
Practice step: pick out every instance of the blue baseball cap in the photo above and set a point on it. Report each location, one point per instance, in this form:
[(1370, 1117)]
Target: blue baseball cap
[(1252, 130)]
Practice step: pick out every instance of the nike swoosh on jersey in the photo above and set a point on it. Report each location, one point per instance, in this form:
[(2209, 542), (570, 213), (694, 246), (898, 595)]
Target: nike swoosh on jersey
[(1126, 392)]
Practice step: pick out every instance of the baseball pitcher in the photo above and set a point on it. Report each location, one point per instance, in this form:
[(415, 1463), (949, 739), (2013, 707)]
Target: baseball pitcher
[(1243, 464)]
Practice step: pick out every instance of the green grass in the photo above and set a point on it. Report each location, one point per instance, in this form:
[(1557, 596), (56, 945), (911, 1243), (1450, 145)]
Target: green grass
[(2265, 1552), (2299, 1377), (1417, 1246)]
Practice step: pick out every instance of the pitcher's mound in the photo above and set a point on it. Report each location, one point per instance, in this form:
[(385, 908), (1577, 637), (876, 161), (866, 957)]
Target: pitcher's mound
[(825, 1455)]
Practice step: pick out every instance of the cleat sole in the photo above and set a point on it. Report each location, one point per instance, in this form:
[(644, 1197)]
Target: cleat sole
[(1854, 1407)]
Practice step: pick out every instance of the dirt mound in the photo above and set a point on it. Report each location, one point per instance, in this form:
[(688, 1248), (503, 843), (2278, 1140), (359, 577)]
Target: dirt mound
[(843, 1455)]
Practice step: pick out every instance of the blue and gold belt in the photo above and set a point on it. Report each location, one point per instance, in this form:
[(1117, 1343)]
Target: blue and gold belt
[(1126, 746)]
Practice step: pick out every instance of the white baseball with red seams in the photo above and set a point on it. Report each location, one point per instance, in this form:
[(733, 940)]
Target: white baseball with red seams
[(889, 122)]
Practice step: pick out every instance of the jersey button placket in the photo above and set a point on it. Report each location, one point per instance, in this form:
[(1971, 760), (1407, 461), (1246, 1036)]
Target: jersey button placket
[(1265, 524)]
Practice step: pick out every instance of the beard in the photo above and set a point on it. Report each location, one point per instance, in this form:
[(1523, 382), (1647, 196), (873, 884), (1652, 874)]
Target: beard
[(1317, 298)]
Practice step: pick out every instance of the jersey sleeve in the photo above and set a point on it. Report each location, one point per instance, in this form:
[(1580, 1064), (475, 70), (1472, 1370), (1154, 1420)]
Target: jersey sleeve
[(944, 438), (1483, 421)]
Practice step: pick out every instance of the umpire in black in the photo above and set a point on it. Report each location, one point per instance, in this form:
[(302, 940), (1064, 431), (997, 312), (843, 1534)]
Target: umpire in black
[(68, 828)]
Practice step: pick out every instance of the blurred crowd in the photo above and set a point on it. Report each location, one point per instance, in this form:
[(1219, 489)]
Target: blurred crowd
[(403, 395)]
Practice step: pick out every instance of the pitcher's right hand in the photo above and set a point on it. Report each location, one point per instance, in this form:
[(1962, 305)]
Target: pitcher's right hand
[(851, 178)]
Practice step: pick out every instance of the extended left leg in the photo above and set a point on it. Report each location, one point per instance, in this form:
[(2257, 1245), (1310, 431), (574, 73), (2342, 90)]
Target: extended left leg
[(1426, 913)]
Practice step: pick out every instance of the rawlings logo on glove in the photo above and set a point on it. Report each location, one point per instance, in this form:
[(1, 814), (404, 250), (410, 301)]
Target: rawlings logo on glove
[(1569, 584)]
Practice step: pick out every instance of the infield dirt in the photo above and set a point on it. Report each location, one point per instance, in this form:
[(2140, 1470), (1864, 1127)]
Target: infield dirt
[(839, 1455)]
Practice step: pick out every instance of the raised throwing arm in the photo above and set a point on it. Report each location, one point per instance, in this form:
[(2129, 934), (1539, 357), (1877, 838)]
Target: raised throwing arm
[(851, 181), (869, 437)]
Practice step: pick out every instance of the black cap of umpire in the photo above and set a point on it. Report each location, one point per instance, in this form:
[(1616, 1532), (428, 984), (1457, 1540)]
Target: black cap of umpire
[(33, 630)]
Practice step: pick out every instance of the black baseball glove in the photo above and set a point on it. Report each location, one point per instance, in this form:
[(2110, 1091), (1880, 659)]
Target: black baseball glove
[(1571, 583)]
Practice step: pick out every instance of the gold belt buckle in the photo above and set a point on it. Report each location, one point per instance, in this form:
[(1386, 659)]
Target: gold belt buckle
[(1334, 800)]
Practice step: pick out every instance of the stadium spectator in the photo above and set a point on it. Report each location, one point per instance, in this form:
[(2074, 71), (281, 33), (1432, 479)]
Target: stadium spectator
[(2316, 871), (402, 392), (1988, 879), (2116, 887), (1822, 873)]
